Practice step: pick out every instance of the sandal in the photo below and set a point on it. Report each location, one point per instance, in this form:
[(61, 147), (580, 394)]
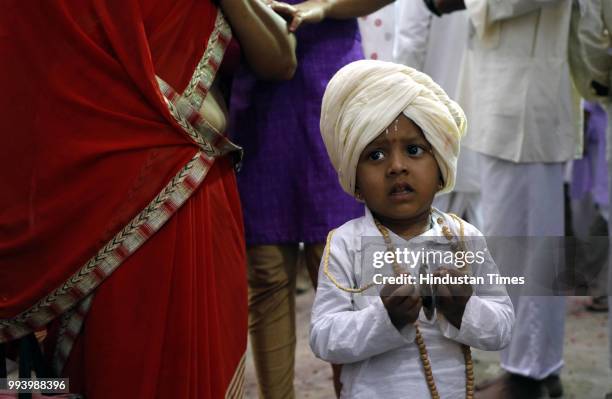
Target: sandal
[(598, 304)]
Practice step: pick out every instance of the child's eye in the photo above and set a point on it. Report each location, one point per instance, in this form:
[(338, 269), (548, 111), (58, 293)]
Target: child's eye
[(376, 155), (415, 150)]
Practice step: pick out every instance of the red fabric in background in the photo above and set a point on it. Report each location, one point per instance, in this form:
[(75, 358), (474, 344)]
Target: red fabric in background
[(87, 143), (87, 139), (180, 332)]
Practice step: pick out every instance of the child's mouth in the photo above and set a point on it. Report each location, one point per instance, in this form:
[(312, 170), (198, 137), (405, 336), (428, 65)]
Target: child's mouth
[(400, 189)]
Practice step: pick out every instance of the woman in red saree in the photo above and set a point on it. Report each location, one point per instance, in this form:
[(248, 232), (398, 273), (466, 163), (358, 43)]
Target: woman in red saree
[(120, 223)]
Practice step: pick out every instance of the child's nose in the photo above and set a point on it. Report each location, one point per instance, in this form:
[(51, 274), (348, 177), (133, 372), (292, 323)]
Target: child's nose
[(398, 163)]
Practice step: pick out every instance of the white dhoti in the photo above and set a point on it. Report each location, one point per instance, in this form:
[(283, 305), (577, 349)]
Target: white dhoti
[(463, 204), (526, 200)]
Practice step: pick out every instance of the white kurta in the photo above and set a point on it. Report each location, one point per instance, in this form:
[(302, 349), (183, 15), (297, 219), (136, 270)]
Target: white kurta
[(378, 360), (436, 46), (524, 120), (516, 88), (430, 44)]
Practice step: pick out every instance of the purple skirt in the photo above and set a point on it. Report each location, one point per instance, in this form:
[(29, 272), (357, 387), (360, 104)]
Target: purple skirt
[(288, 187)]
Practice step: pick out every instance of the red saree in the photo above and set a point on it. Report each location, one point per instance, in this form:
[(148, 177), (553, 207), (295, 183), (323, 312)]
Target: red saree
[(120, 222)]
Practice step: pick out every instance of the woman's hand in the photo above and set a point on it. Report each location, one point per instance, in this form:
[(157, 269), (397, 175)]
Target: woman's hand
[(309, 11), (314, 11)]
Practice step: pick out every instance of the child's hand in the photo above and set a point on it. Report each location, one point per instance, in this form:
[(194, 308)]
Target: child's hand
[(402, 303), (452, 298)]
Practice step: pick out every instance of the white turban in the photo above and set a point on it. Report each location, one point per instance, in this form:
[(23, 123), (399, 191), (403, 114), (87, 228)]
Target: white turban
[(365, 97)]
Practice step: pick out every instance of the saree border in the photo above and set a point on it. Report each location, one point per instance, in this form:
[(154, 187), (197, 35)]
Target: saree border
[(72, 299), (235, 389), (70, 326), (209, 139), (207, 68), (114, 252)]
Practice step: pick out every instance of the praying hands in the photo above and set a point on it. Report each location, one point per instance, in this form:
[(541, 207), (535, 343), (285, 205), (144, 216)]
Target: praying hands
[(403, 303), (451, 299)]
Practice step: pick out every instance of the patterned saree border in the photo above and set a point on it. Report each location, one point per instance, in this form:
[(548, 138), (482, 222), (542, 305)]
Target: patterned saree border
[(185, 107), (207, 68), (235, 389), (210, 140), (116, 250), (70, 326)]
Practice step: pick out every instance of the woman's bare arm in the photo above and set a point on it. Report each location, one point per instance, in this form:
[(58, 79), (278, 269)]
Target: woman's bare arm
[(264, 37)]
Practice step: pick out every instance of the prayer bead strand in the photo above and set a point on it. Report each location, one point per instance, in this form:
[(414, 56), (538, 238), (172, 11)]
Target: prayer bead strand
[(467, 353)]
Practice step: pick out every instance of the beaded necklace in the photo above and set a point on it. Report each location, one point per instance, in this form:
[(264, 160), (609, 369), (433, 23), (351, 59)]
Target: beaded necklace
[(467, 353)]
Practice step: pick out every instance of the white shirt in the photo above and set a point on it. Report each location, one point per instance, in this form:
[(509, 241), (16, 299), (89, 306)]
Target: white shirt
[(378, 360), (430, 44), (436, 46), (516, 88), (377, 33)]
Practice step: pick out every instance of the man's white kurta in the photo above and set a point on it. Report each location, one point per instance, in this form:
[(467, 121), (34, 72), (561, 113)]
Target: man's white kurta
[(430, 44), (524, 119), (516, 90), (378, 360), (437, 46)]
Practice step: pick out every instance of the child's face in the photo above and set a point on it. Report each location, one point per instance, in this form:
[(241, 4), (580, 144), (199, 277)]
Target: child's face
[(397, 174)]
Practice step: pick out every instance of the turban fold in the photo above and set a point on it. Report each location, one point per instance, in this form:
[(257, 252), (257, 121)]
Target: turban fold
[(365, 97)]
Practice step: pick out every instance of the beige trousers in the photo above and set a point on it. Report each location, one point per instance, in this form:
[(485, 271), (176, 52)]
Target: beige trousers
[(272, 275)]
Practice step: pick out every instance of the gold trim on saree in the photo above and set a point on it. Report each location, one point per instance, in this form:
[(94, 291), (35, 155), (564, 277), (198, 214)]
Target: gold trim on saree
[(207, 68), (235, 389), (116, 250)]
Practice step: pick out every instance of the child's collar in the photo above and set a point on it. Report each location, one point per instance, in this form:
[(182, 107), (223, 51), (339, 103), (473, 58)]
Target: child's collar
[(433, 230)]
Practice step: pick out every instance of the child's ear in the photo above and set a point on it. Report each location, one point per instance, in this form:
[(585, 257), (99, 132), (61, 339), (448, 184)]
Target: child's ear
[(358, 194)]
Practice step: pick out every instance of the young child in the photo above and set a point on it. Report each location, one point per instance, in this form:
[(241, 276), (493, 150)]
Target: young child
[(393, 136)]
